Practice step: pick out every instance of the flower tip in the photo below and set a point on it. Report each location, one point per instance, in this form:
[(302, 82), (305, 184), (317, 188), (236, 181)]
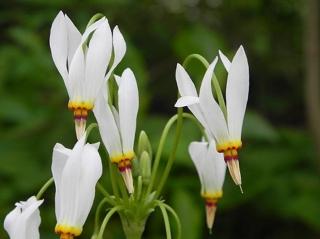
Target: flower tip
[(240, 186)]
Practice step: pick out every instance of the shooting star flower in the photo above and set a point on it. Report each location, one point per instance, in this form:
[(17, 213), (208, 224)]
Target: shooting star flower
[(75, 173), (23, 222), (118, 127), (226, 131), (83, 61), (211, 170)]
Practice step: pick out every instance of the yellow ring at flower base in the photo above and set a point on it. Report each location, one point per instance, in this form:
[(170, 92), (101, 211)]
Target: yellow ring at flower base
[(66, 229), (212, 195), (87, 105), (116, 158), (233, 144)]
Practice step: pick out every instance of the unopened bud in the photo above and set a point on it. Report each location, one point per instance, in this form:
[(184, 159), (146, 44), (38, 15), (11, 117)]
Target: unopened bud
[(145, 167), (144, 144)]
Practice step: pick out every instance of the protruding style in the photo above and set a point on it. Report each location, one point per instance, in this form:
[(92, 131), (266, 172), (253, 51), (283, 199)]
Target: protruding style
[(211, 170), (82, 61), (225, 130), (118, 127)]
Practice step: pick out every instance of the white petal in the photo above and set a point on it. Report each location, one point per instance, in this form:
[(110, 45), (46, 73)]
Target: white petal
[(128, 109), (91, 171), (119, 49), (214, 169), (197, 151), (70, 185), (187, 89), (237, 93), (97, 59), (186, 101), (107, 125), (91, 28), (184, 82), (225, 61), (74, 38), (77, 75), (213, 114), (59, 159), (59, 46), (23, 222)]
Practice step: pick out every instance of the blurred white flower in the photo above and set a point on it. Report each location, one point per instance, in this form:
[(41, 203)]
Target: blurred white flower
[(211, 170), (75, 174), (118, 127), (23, 222), (226, 132), (82, 61)]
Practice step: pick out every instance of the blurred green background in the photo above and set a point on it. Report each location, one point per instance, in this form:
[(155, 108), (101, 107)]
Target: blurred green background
[(280, 166)]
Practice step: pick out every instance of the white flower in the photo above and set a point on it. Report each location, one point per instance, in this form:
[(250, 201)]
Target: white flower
[(117, 127), (211, 170), (226, 132), (83, 65), (75, 174), (23, 222)]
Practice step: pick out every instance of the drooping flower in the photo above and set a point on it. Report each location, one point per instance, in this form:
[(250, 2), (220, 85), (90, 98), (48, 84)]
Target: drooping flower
[(75, 173), (226, 131), (211, 170), (83, 61), (118, 127), (23, 222)]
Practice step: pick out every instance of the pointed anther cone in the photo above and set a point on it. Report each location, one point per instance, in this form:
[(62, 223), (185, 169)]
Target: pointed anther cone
[(234, 170), (128, 180), (80, 126), (210, 214)]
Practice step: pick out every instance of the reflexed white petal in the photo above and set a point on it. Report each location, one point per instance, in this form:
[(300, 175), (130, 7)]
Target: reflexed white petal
[(23, 222), (59, 159), (119, 49), (215, 169), (187, 89), (185, 85), (10, 220), (74, 38), (186, 101), (91, 28), (198, 151), (77, 74), (225, 61), (211, 110), (59, 46), (91, 171), (97, 59), (128, 109), (70, 184), (107, 125), (237, 93), (116, 116)]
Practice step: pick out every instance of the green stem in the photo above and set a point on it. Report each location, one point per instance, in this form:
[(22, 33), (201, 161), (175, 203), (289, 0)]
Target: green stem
[(44, 188), (94, 18), (215, 81), (173, 152), (106, 220), (106, 194), (90, 128), (113, 179), (159, 151), (174, 214), (97, 215), (166, 220)]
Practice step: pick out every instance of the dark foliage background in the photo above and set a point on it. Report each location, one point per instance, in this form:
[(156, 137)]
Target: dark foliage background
[(279, 165)]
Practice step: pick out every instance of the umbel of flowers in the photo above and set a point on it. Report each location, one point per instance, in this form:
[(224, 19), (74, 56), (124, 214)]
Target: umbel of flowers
[(86, 63)]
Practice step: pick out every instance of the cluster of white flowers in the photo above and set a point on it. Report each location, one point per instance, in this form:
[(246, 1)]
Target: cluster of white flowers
[(223, 130), (86, 62)]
